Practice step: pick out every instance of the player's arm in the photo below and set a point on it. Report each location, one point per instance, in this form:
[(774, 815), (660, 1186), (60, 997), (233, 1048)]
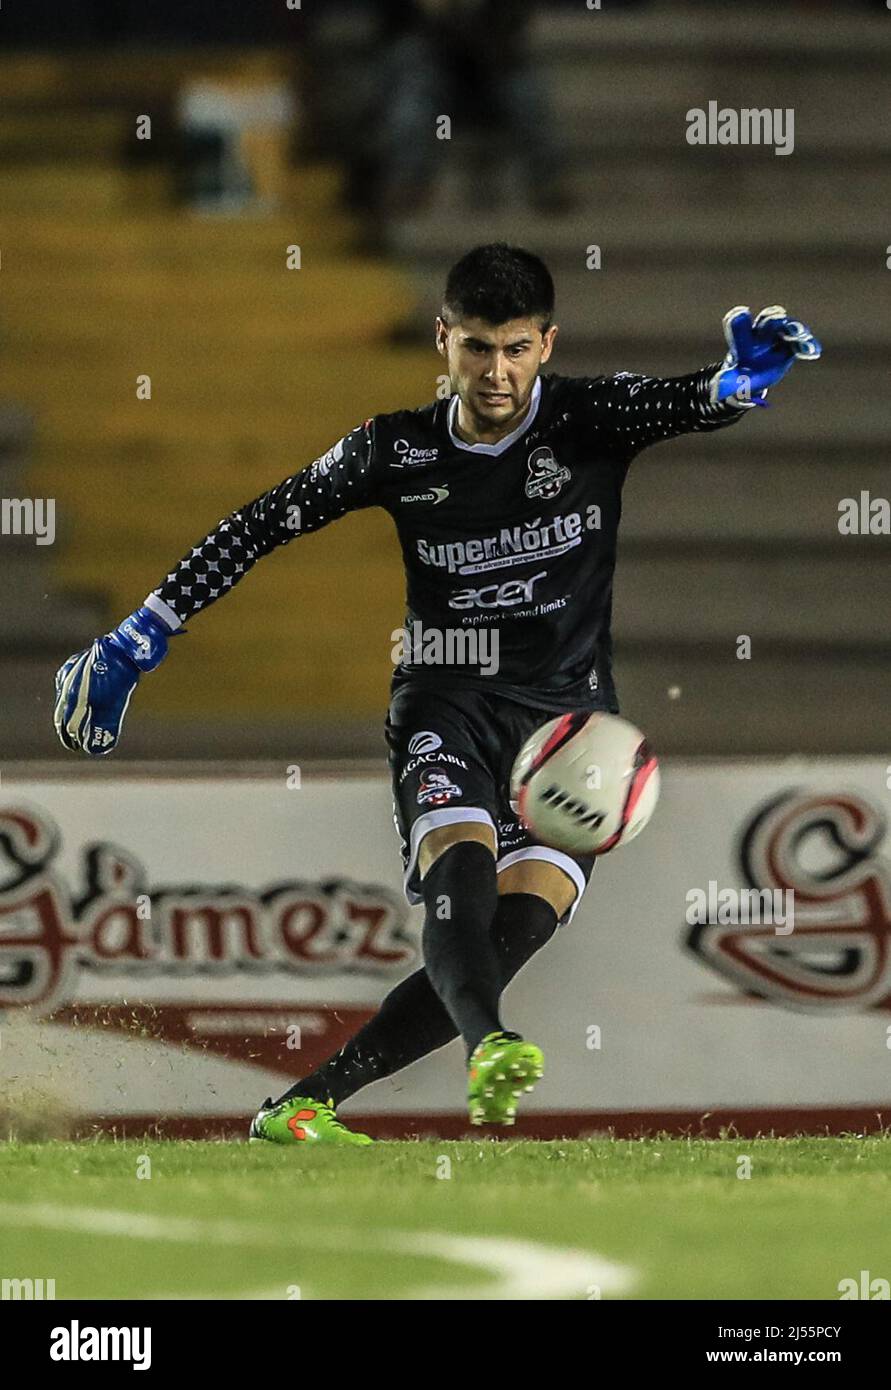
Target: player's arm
[(634, 411), (93, 687)]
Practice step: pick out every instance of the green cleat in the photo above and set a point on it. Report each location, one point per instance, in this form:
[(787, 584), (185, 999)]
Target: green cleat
[(500, 1069), (302, 1120)]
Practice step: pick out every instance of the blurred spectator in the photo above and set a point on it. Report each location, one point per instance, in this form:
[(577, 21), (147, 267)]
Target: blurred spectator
[(467, 59), (233, 140)]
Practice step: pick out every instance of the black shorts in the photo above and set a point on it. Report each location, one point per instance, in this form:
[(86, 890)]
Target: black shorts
[(450, 756)]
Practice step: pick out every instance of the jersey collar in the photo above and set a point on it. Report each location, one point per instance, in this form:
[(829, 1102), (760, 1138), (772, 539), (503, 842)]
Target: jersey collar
[(508, 439)]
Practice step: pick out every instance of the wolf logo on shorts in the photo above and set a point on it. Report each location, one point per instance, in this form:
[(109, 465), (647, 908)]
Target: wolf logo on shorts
[(436, 788)]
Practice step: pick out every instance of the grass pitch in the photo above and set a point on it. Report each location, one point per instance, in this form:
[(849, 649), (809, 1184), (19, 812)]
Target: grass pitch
[(639, 1219)]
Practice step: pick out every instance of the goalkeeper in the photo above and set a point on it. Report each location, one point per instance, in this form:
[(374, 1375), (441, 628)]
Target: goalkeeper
[(506, 499)]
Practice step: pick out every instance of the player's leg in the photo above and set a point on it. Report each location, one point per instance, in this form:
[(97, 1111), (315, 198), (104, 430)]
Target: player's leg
[(550, 884), (445, 798), (458, 990), (459, 886), (532, 895), (462, 978), (444, 762), (412, 1020)]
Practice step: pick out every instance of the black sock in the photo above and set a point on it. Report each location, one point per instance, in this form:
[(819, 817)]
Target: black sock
[(523, 923), (413, 1021), (460, 896)]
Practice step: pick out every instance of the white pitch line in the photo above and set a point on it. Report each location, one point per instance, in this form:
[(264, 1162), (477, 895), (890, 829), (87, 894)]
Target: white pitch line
[(96, 1221), (523, 1269), (520, 1269)]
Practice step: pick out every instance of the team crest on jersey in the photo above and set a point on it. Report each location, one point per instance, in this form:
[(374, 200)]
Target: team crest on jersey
[(436, 787), (546, 475)]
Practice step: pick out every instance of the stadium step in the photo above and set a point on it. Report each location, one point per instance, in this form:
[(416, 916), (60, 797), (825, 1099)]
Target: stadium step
[(712, 210), (722, 497), (160, 293), (53, 189), (120, 78), (165, 239), (16, 432), (716, 592), (684, 27), (703, 702), (275, 382), (63, 135), (632, 302), (36, 616)]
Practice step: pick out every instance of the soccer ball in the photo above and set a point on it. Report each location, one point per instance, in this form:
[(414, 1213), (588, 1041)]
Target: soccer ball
[(585, 783)]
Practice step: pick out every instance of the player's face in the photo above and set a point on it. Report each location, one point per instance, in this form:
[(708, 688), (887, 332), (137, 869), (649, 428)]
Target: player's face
[(492, 369)]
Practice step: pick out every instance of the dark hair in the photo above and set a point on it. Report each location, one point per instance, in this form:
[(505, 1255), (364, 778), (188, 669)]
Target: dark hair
[(498, 283)]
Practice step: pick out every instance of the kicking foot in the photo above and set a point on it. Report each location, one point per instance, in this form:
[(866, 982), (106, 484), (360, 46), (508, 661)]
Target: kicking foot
[(500, 1069), (299, 1120)]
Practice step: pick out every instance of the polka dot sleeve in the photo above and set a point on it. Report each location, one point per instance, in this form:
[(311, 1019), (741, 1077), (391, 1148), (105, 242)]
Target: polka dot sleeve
[(634, 411), (338, 482)]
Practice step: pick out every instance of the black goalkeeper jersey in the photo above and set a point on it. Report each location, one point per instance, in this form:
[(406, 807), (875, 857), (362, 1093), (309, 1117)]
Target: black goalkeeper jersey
[(509, 548)]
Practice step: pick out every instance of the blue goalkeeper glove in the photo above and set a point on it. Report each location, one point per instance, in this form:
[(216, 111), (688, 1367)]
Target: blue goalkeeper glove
[(760, 352), (94, 686)]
